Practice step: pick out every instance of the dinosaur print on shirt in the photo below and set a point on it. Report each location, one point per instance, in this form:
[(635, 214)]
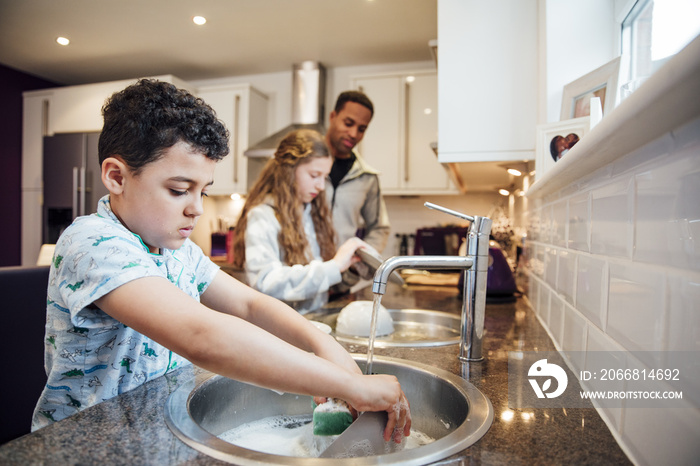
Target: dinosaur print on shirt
[(90, 356)]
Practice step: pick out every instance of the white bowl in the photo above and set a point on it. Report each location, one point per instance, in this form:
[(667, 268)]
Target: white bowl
[(356, 319)]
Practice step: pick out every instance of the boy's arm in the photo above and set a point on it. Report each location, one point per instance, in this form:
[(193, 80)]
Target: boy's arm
[(224, 343), (228, 344), (228, 295)]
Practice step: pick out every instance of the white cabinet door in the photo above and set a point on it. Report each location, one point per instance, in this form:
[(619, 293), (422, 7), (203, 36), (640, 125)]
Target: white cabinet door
[(34, 120), (78, 109), (381, 145), (422, 171), (487, 76), (404, 124), (243, 111)]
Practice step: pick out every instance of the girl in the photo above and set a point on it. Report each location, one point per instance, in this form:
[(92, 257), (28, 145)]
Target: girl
[(285, 238)]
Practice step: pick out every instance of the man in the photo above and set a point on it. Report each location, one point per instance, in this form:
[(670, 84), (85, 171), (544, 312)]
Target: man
[(352, 189)]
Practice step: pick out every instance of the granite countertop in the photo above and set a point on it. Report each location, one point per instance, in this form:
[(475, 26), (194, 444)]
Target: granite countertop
[(130, 429)]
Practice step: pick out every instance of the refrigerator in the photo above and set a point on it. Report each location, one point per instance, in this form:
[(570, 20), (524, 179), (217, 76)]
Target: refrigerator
[(72, 183)]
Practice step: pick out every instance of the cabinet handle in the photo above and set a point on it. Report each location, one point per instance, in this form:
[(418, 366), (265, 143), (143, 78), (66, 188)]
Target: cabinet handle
[(406, 112), (45, 118), (82, 190), (75, 192), (236, 114)]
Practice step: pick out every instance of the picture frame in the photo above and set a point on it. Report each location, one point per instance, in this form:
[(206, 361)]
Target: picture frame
[(601, 82), (548, 146)]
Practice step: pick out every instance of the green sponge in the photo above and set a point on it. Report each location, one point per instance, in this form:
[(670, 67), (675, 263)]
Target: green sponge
[(332, 417)]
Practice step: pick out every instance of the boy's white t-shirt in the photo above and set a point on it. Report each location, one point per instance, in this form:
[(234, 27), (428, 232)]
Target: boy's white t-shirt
[(89, 356)]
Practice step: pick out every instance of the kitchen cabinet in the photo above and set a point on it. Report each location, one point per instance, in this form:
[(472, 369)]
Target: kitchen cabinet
[(487, 80), (397, 142), (76, 109), (243, 109), (34, 119)]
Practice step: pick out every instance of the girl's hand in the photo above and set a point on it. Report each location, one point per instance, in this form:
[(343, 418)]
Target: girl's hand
[(345, 256)]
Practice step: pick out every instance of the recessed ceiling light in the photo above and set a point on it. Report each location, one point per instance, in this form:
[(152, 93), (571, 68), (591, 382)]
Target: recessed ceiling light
[(62, 40), (514, 172), (199, 20)]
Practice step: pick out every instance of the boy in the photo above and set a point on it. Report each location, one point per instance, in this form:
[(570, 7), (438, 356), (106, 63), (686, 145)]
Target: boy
[(130, 297)]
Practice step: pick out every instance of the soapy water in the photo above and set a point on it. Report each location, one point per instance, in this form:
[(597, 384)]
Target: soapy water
[(294, 436)]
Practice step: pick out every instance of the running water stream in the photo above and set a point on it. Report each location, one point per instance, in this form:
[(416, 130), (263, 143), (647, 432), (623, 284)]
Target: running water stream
[(372, 333), (293, 435)]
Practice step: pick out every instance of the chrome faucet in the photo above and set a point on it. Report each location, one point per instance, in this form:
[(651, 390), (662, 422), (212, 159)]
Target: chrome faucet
[(475, 265)]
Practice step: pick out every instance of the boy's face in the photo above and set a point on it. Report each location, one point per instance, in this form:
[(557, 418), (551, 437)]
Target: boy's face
[(164, 201)]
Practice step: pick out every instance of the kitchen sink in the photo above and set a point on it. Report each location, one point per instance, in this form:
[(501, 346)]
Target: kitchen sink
[(412, 327), (443, 406)]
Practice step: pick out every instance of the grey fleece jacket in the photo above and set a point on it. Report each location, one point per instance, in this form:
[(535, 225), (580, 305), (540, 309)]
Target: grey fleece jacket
[(358, 203)]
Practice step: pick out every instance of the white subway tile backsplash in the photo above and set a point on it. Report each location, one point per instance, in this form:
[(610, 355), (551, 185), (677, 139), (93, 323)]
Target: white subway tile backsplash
[(543, 304), (534, 225), (636, 307), (547, 225), (556, 318), (537, 260), (612, 217), (663, 436), (579, 222), (668, 212), (591, 289), (609, 355), (683, 312), (559, 223), (533, 296), (684, 413), (566, 274), (574, 332), (550, 267), (616, 268), (687, 210)]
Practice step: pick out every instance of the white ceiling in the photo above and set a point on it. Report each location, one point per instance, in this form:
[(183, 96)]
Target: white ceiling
[(123, 39)]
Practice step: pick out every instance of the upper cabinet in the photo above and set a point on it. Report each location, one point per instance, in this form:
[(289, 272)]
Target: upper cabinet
[(77, 109), (243, 110), (487, 80), (398, 140)]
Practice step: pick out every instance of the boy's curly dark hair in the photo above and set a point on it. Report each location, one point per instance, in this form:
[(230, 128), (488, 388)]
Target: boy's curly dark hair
[(148, 117)]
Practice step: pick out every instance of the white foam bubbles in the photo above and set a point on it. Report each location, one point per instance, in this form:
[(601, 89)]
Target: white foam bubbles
[(293, 436)]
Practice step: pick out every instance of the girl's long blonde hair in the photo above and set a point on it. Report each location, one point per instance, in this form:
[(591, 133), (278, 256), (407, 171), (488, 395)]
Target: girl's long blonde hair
[(277, 180)]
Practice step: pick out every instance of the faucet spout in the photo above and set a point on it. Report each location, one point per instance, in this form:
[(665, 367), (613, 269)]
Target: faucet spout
[(381, 276), (475, 265)]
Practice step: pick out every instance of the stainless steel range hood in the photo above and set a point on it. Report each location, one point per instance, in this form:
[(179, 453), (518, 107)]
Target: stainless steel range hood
[(308, 102)]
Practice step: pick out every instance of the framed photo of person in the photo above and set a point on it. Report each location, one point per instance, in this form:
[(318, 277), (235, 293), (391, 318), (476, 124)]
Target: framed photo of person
[(554, 140), (601, 82)]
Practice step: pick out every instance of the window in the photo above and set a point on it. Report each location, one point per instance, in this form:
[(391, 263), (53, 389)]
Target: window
[(654, 31)]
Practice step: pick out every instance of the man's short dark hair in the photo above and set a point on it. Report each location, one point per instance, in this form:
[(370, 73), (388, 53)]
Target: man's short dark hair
[(353, 96), (150, 116)]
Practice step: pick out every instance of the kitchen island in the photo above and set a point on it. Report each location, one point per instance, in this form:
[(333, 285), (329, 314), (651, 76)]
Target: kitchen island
[(130, 429)]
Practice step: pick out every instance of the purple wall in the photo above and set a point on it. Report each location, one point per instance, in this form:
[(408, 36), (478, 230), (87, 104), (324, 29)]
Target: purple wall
[(12, 84)]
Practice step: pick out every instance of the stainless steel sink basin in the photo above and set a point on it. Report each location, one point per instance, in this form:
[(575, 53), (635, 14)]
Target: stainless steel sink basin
[(412, 327), (443, 406)]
